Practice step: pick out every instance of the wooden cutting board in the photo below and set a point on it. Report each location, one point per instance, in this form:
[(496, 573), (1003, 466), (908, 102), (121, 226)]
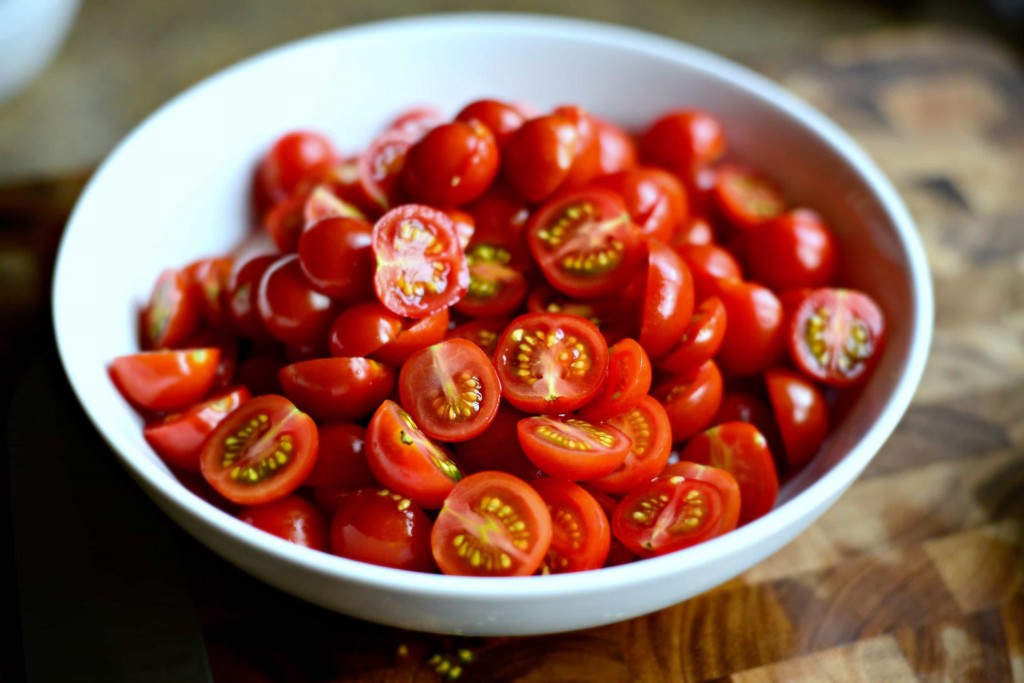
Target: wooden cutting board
[(916, 574)]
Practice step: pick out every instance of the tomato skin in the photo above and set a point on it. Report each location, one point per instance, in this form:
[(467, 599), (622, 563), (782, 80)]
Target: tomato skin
[(362, 329), (414, 335), (563, 387), (500, 217), (497, 285), (655, 199), (628, 381), (648, 426), (498, 448), (292, 518), (379, 168), (293, 158), (405, 460), (382, 528), (587, 162), (691, 400), (617, 151), (709, 263), (492, 524), (484, 332), (742, 451), (177, 439), (451, 390), (500, 118), (451, 165), (291, 310), (668, 300), (209, 279), (581, 535), (569, 447), (262, 451), (791, 251), (537, 158), (337, 389), (694, 230), (701, 340), (336, 258), (341, 458), (755, 337), (746, 197), (800, 412), (682, 140), (243, 286), (166, 380), (323, 203), (172, 313), (836, 336)]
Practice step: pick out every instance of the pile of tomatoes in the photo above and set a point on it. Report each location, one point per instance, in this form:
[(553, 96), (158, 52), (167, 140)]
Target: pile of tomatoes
[(506, 343)]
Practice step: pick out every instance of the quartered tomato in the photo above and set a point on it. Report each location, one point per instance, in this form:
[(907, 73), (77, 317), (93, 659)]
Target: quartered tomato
[(570, 447), (450, 389), (691, 399), (178, 438), (166, 380), (405, 460), (292, 518), (647, 425), (537, 158), (172, 314), (668, 300), (800, 411), (451, 165), (421, 268), (701, 340), (382, 528), (755, 337), (584, 242), (262, 451), (337, 259), (581, 534), (492, 524), (791, 251), (628, 381), (550, 363), (337, 389), (683, 140), (746, 197), (341, 458), (836, 336)]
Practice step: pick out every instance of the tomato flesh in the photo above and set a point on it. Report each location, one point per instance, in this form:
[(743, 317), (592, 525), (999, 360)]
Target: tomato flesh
[(571, 447), (178, 438), (166, 380), (581, 535)]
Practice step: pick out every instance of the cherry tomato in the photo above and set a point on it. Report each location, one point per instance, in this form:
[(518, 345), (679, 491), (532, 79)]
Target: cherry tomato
[(172, 314), (416, 121), (405, 460), (497, 448), (836, 336), (421, 268), (484, 332), (693, 230), (570, 447), (496, 285), (755, 337), (648, 426), (587, 162), (742, 451), (379, 167), (284, 221), (414, 335), (291, 310), (628, 381), (292, 518), (683, 140), (242, 295), (701, 340), (746, 406), (746, 197), (337, 259), (260, 452), (499, 217), (362, 329), (584, 242), (382, 528), (341, 459), (617, 149), (537, 157), (655, 200), (294, 157), (465, 225), (800, 412), (550, 363), (671, 513), (451, 165), (791, 251), (492, 524), (323, 203), (709, 263), (337, 389), (178, 438), (209, 278), (691, 400), (719, 478), (668, 300), (166, 380), (581, 535), (450, 389), (615, 316), (500, 118)]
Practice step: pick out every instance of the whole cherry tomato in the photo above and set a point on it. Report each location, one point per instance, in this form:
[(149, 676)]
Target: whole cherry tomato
[(292, 518), (382, 528)]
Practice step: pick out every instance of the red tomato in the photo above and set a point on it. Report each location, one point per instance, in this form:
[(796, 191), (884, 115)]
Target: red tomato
[(671, 513), (172, 314), (683, 140), (550, 363), (719, 478), (262, 451), (465, 225), (492, 524), (628, 381), (380, 165), (496, 285), (537, 158), (341, 459), (323, 203), (362, 329), (742, 451), (587, 162), (241, 296), (746, 197), (416, 121), (701, 340), (617, 149), (791, 251), (484, 332), (405, 460), (584, 242), (693, 230), (382, 528), (499, 217), (414, 335), (655, 200), (744, 406), (691, 400), (755, 337), (648, 426), (451, 165), (668, 300), (337, 389), (178, 438), (421, 267), (500, 118), (573, 448), (291, 310), (166, 380), (294, 157), (615, 316), (709, 263), (836, 336), (209, 278), (800, 412), (337, 259), (450, 389), (292, 518), (497, 448), (284, 221), (581, 535)]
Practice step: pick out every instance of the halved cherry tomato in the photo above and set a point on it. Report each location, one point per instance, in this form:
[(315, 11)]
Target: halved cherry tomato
[(628, 381), (166, 380), (405, 460), (323, 203), (379, 167), (800, 412), (497, 286), (581, 534), (382, 528), (694, 230), (584, 242), (719, 478), (414, 335), (451, 165), (709, 263), (209, 278), (691, 399), (701, 340), (615, 316), (337, 389), (791, 251), (294, 157), (362, 329), (285, 220), (617, 149), (465, 225), (498, 448), (586, 164), (671, 513), (746, 197), (755, 337), (291, 310), (178, 438), (683, 140), (421, 268), (341, 459), (241, 296), (668, 300), (550, 363), (741, 405), (450, 389), (501, 119), (484, 332), (742, 451), (416, 121), (492, 524), (172, 313), (570, 447), (337, 258), (836, 336), (262, 451), (537, 157), (499, 217), (292, 518), (655, 199), (648, 426)]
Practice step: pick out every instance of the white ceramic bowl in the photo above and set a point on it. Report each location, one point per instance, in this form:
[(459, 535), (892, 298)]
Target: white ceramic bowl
[(176, 189), (31, 34)]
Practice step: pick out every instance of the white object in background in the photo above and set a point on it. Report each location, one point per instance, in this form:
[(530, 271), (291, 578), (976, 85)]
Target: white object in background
[(31, 34)]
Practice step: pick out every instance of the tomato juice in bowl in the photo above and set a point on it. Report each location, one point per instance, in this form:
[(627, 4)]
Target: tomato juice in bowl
[(224, 124)]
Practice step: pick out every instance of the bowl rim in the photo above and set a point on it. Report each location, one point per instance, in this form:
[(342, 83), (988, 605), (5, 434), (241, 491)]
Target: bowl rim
[(817, 495)]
